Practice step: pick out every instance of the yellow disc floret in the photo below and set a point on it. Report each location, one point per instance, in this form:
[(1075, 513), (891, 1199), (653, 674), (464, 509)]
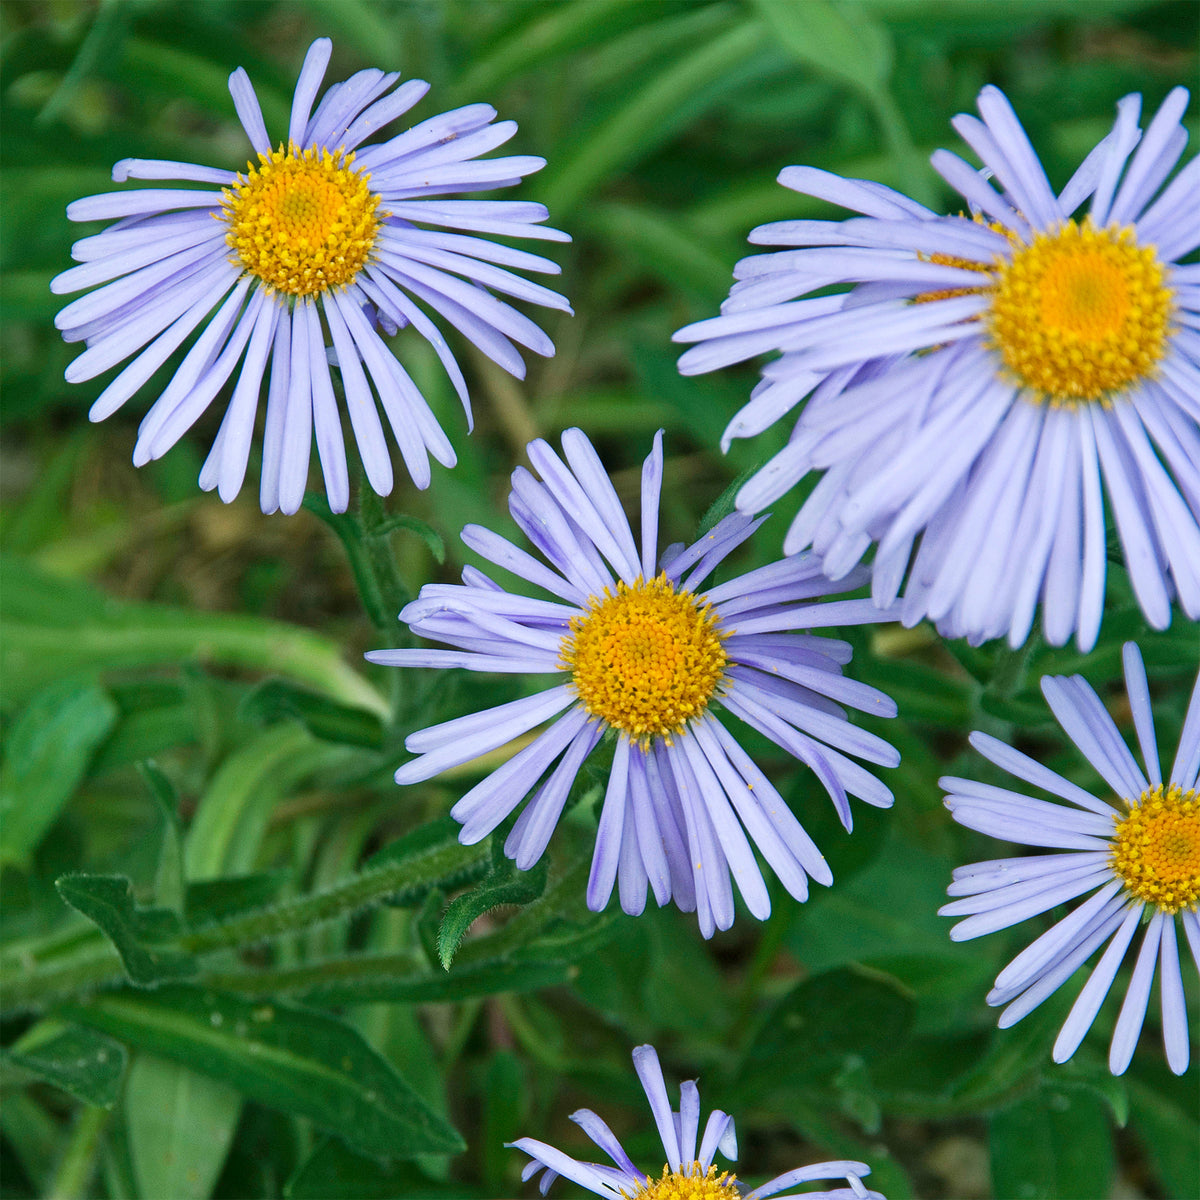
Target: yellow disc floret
[(302, 221), (647, 659), (1156, 848), (692, 1183), (1079, 313)]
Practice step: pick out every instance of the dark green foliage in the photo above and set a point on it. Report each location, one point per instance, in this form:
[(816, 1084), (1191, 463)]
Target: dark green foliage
[(299, 1060), (238, 961)]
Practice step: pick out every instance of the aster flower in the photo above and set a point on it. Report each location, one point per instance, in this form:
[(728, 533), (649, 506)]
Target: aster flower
[(687, 1175), (1138, 856), (985, 379), (647, 653), (316, 235)]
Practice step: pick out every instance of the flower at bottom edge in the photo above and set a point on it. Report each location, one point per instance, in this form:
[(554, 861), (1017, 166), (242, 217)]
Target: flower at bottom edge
[(689, 1172)]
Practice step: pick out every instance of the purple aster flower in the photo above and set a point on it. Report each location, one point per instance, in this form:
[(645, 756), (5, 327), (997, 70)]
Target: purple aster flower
[(648, 652), (981, 382), (686, 1173), (1138, 856), (317, 238)]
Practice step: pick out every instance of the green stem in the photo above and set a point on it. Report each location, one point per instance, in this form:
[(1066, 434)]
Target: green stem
[(32, 988), (79, 1158), (35, 987), (342, 899)]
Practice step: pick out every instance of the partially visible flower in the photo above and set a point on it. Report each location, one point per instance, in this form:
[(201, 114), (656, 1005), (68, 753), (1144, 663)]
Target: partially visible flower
[(688, 1174), (980, 376), (1139, 857), (316, 239), (648, 653)]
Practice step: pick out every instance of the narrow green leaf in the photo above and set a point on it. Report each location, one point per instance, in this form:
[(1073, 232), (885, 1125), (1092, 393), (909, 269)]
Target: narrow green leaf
[(48, 751), (275, 699), (283, 1056), (108, 634), (834, 39), (426, 532), (138, 934), (83, 1062), (654, 112), (180, 1126), (1052, 1145), (506, 885), (169, 883), (360, 980), (233, 812), (216, 899), (334, 1172), (722, 506), (553, 30)]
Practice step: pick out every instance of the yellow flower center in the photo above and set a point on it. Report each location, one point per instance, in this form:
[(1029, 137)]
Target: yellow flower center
[(1079, 313), (645, 660), (1156, 848), (302, 221), (692, 1183)]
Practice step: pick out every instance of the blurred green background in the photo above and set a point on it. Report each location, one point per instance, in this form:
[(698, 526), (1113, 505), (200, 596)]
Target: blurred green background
[(146, 622)]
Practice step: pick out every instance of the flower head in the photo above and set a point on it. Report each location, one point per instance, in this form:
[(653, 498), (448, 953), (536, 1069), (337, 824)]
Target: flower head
[(649, 653), (1138, 856), (984, 380), (688, 1174), (317, 236)]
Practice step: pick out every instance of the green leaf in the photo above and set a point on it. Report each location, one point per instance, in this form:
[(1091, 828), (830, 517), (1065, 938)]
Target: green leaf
[(1052, 1145), (366, 979), (334, 1172), (821, 1026), (231, 817), (276, 699), (106, 633), (180, 1126), (302, 1062), (138, 934), (48, 751), (668, 99), (506, 885), (169, 886), (1164, 1117), (722, 506), (215, 899), (835, 39), (553, 30), (658, 243), (81, 1061)]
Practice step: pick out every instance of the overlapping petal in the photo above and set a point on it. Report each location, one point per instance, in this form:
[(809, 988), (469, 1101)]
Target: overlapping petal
[(683, 815), (164, 271)]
